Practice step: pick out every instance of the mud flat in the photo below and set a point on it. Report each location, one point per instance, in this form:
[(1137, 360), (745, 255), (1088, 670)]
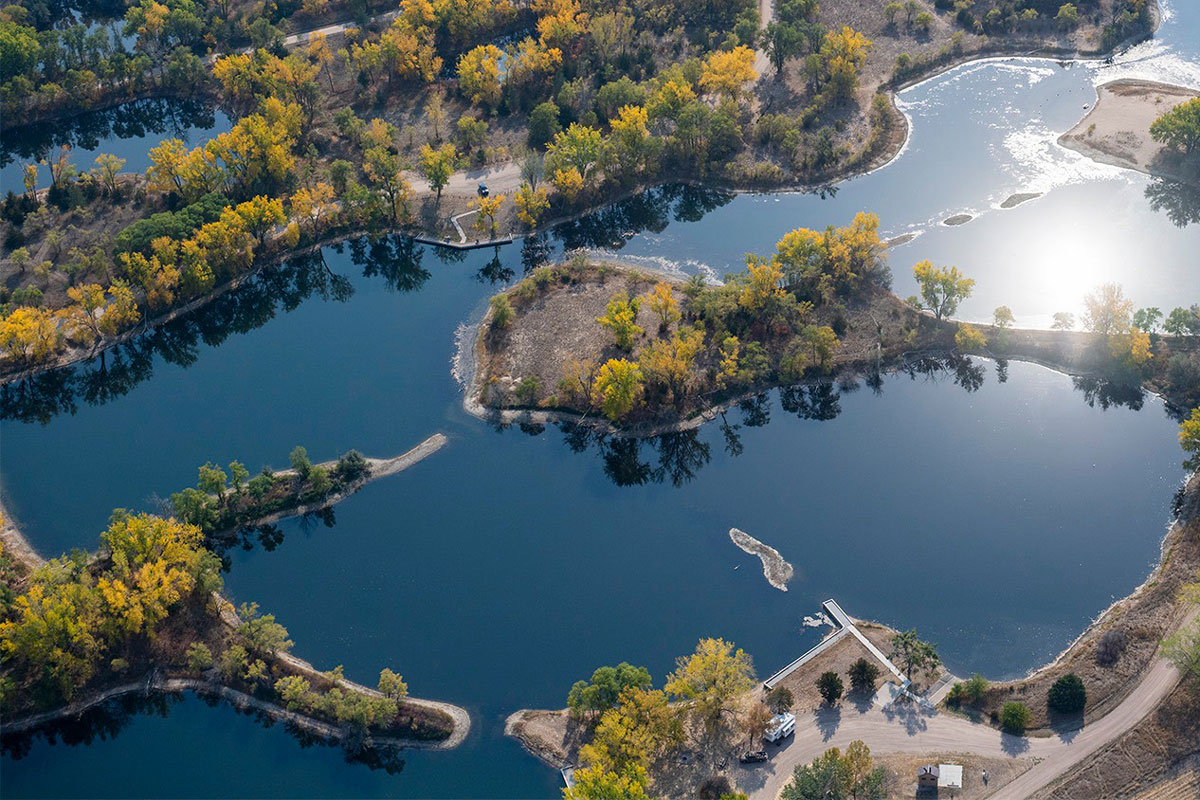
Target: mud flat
[(1117, 129)]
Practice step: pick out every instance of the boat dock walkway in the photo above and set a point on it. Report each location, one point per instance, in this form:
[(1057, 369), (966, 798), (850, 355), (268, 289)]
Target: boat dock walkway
[(845, 626)]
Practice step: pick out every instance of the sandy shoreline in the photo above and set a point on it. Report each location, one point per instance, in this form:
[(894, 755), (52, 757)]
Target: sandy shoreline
[(1116, 130)]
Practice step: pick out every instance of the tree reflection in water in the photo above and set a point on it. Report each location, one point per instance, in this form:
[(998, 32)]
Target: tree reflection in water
[(165, 116), (678, 457), (116, 371), (108, 719), (1180, 201)]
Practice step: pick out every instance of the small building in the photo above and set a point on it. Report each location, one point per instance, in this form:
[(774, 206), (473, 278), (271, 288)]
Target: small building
[(949, 776), (936, 777)]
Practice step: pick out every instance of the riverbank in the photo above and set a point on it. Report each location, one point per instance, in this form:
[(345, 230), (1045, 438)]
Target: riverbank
[(867, 135), (1117, 129), (418, 723)]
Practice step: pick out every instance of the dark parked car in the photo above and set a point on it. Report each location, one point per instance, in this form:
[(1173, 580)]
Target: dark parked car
[(482, 190), (754, 757)]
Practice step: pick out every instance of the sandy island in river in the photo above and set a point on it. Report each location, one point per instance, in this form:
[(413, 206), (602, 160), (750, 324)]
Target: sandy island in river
[(1117, 129)]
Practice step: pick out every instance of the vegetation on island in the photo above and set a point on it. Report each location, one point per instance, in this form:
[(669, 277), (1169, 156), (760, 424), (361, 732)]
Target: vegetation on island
[(147, 603), (662, 350), (222, 502)]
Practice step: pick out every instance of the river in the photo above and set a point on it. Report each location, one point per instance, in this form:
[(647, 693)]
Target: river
[(997, 508)]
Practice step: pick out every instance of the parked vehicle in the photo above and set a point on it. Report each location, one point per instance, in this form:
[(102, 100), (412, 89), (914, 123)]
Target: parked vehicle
[(754, 757), (482, 190), (782, 726)]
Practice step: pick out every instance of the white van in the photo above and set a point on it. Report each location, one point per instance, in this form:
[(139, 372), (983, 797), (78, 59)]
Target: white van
[(782, 726)]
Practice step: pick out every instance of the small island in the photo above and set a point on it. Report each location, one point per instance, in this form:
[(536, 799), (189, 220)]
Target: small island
[(619, 347)]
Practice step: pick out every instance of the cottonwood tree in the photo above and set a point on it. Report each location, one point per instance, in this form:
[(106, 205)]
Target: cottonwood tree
[(1107, 311), (1179, 127), (618, 385), (709, 682), (942, 288), (437, 165)]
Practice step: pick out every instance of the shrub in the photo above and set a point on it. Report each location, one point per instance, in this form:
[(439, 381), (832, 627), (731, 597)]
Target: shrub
[(975, 688), (527, 390), (1015, 717), (502, 311), (862, 675), (830, 686), (199, 657), (351, 466), (1112, 644), (1067, 695)]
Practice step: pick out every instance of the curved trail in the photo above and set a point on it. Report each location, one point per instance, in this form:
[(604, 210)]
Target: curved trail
[(909, 729)]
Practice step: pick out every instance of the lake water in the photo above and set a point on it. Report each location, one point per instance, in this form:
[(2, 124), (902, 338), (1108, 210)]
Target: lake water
[(996, 516), (127, 130)]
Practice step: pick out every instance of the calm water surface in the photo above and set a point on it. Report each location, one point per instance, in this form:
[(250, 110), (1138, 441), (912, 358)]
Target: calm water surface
[(996, 516)]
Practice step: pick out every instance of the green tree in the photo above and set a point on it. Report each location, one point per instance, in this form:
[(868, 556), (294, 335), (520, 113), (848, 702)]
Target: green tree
[(913, 653), (212, 481), (1015, 717), (1002, 317), (543, 124), (781, 43), (239, 475), (942, 288), (863, 675), (780, 699), (260, 633), (199, 657), (834, 776), (822, 341), (502, 311), (1182, 649), (438, 165), (299, 461), (975, 687), (1067, 694), (1179, 127), (1147, 319), (605, 688), (392, 685), (1183, 321), (829, 684)]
